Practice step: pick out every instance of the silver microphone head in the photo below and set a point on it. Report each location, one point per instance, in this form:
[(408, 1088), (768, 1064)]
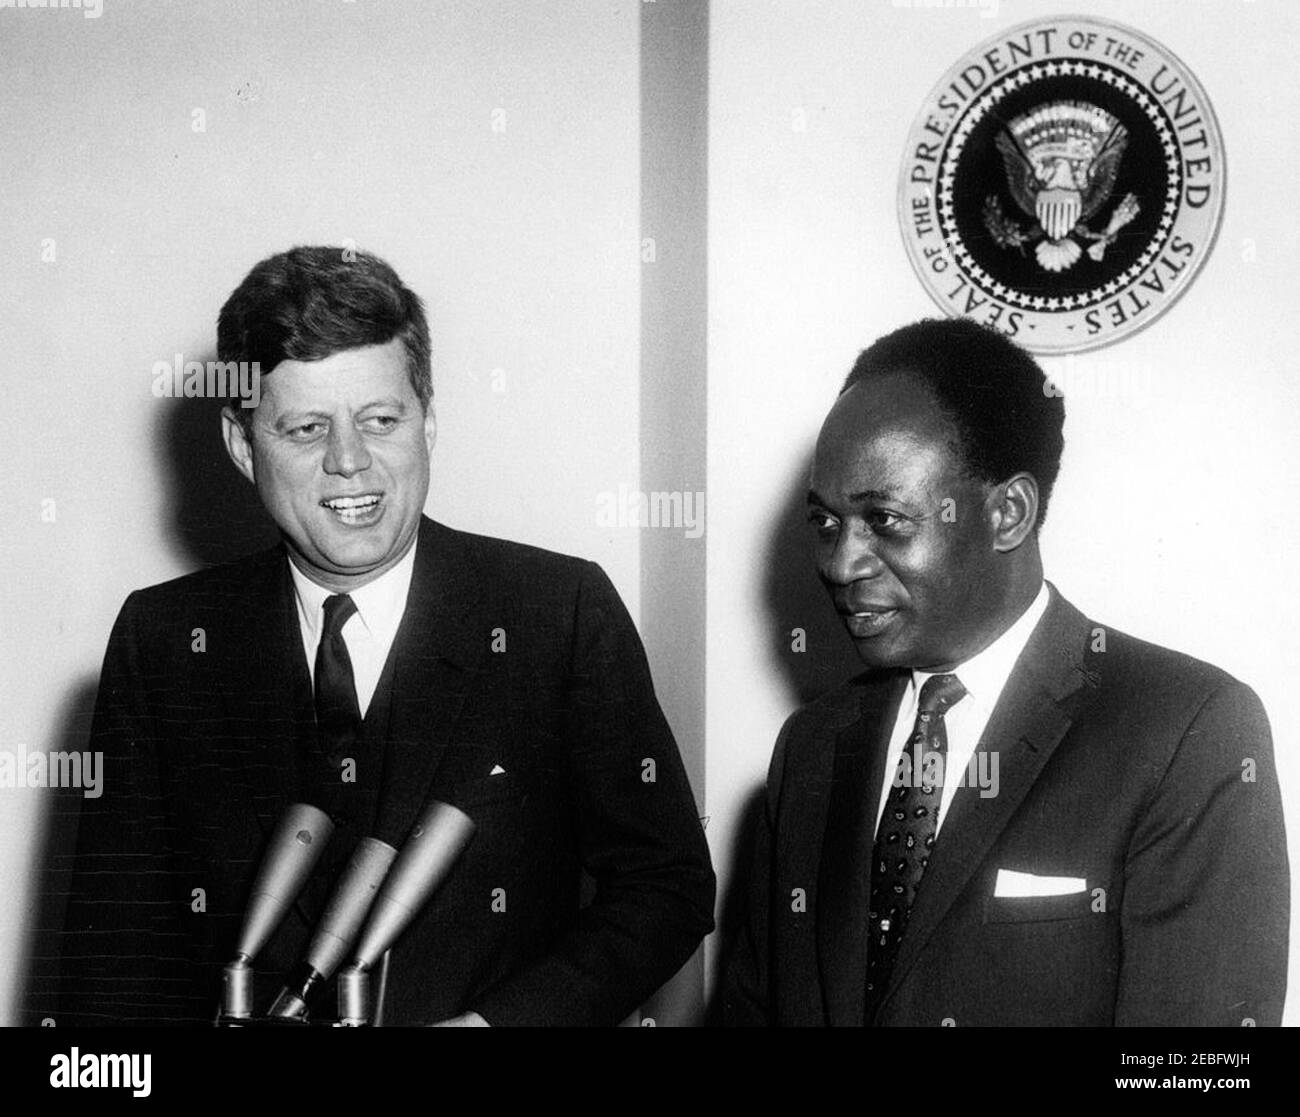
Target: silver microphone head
[(296, 845), (436, 841)]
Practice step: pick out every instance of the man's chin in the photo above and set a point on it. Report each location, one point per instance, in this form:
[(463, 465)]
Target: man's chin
[(877, 662), (879, 652), (361, 559)]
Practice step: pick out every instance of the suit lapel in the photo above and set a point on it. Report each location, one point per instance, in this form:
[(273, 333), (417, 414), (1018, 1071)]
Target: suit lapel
[(269, 689), (844, 882), (439, 643), (1032, 715)]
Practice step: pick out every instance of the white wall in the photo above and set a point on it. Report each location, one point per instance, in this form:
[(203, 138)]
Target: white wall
[(371, 121), (1172, 517)]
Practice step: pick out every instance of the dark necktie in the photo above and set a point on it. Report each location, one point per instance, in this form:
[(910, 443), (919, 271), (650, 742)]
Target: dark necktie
[(338, 717), (907, 832)]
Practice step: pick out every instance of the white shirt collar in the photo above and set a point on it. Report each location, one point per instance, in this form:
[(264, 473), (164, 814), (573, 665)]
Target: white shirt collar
[(380, 603), (985, 674)]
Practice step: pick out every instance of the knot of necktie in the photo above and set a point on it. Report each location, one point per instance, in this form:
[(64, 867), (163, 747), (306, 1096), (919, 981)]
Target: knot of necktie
[(339, 609), (939, 693)]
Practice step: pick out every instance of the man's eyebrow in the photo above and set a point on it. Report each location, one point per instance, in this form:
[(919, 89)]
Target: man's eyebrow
[(289, 418), (292, 418), (854, 498), (395, 402)]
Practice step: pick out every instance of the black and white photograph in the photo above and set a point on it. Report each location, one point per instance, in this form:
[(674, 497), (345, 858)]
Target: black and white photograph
[(725, 514)]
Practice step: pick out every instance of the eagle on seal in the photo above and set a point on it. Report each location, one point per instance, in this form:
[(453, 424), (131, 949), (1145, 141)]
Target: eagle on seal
[(1061, 160)]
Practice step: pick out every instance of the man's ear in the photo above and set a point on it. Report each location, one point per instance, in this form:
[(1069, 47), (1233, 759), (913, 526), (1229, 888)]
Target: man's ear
[(237, 443), (430, 428), (1014, 511)]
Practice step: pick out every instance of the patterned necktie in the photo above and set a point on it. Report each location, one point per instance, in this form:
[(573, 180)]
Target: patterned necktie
[(907, 832), (338, 717)]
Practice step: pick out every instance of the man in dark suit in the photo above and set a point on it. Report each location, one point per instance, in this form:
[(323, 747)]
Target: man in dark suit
[(372, 662), (1017, 815)]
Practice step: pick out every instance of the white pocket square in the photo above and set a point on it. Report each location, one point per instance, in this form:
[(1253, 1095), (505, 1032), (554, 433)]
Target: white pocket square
[(1012, 883), (497, 770)]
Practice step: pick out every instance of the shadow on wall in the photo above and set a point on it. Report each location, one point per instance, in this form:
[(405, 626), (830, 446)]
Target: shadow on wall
[(813, 654), (214, 514)]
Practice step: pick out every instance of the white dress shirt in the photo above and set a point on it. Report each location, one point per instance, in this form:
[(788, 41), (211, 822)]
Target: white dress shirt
[(984, 676), (368, 633)]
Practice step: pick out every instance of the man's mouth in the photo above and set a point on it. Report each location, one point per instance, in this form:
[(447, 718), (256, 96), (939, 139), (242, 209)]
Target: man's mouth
[(866, 621), (360, 509)]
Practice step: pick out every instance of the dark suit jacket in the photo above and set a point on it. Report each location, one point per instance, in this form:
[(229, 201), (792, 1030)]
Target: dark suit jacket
[(507, 657), (1146, 772)]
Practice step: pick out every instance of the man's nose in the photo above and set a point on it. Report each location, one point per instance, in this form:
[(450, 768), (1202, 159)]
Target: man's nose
[(851, 557), (345, 451)]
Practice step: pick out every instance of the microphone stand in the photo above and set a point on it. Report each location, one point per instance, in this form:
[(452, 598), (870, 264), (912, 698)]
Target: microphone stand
[(383, 990)]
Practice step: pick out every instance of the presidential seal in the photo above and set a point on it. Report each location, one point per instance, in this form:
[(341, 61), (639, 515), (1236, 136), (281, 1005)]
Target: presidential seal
[(1063, 183)]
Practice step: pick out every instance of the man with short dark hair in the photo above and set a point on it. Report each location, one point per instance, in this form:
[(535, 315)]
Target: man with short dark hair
[(1017, 815), (373, 662)]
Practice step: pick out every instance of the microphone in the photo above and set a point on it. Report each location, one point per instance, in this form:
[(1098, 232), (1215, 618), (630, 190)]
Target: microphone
[(296, 845), (437, 839), (338, 927)]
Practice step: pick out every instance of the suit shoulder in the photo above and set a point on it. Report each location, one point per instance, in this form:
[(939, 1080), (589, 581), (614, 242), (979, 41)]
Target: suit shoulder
[(831, 711), (504, 561), (1156, 700), (215, 585), (1128, 663), (805, 741)]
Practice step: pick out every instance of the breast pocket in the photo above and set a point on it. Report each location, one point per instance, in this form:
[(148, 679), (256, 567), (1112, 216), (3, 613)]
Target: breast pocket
[(489, 791), (1038, 909)]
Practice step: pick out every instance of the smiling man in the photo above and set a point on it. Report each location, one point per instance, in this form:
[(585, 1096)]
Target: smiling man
[(373, 662), (1126, 864), (340, 458)]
